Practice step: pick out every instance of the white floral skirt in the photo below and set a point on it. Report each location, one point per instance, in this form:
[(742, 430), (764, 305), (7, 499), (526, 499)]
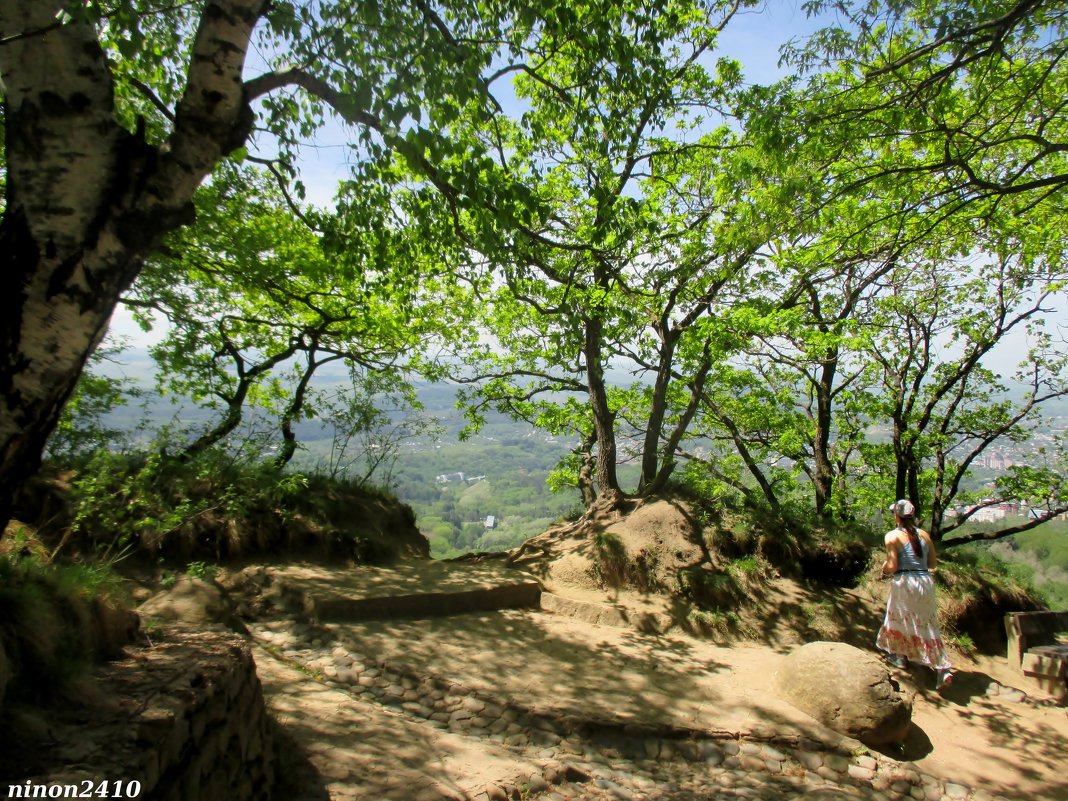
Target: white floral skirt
[(910, 628)]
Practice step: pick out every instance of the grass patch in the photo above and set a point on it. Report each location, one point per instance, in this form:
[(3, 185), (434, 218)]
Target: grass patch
[(55, 621), (717, 623)]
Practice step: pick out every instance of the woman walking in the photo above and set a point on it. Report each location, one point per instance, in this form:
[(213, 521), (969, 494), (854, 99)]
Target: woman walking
[(910, 630)]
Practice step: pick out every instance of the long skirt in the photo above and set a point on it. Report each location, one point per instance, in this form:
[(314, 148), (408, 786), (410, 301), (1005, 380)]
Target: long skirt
[(910, 628)]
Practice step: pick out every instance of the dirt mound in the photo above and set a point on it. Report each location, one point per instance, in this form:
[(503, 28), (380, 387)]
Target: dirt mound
[(660, 560), (643, 550), (175, 513)]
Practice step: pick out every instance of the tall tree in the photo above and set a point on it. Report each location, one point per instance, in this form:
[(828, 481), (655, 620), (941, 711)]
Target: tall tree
[(115, 112), (630, 247), (936, 326)]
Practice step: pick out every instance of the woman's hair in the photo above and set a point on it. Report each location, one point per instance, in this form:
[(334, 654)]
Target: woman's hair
[(909, 524)]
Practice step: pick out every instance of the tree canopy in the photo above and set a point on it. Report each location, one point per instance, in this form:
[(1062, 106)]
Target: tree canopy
[(802, 282)]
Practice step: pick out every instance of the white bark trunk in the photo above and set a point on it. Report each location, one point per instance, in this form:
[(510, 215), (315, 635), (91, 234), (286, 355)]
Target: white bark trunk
[(87, 201)]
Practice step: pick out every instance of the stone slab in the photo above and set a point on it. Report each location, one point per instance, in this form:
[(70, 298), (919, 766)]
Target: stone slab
[(605, 614), (415, 589), (1028, 629), (1046, 660)]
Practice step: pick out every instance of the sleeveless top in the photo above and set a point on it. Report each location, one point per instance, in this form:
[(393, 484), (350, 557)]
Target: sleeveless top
[(908, 561)]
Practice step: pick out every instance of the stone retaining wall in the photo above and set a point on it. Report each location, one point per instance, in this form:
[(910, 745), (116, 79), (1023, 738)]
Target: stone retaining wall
[(185, 717)]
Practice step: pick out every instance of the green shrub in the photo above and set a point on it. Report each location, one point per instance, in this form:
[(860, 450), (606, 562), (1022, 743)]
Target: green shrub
[(962, 642), (750, 570), (205, 571), (217, 507)]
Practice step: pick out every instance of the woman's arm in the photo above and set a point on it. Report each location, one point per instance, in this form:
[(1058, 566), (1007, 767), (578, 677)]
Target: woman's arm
[(890, 565)]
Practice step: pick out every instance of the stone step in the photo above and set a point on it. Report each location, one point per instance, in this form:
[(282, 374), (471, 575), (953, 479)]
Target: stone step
[(1047, 666), (602, 614), (416, 589)]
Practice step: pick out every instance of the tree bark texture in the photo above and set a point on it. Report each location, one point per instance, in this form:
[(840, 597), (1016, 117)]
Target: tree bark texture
[(657, 412), (603, 419), (87, 200)]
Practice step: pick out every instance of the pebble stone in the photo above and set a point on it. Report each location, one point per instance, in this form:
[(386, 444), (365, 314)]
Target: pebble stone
[(627, 765)]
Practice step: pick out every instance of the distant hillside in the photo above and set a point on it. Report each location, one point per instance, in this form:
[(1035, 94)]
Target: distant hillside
[(1041, 556)]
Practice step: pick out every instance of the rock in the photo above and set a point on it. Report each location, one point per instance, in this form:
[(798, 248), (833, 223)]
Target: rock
[(846, 689), (191, 600)]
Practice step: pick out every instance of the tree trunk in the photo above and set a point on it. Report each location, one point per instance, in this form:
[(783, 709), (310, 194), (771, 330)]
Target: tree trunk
[(823, 468), (697, 391), (938, 511), (587, 488), (235, 403), (296, 406), (900, 468), (657, 411), (747, 457), (603, 419), (87, 201)]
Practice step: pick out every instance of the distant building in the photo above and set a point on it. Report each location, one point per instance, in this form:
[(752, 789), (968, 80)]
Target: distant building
[(491, 521), (991, 514), (1039, 514), (446, 478)]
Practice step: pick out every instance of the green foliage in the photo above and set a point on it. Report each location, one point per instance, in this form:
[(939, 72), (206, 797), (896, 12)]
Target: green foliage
[(976, 587), (261, 308), (1039, 557), (205, 571), (85, 425), (792, 314), (591, 243), (950, 87), (1049, 543), (199, 512), (505, 473)]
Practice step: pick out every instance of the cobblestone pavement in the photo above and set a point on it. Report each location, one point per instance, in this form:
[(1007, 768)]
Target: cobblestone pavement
[(582, 760)]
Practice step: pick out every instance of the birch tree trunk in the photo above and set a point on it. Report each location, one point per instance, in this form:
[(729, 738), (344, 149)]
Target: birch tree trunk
[(87, 200)]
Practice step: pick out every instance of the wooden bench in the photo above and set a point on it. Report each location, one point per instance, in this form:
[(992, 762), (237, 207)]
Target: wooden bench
[(1038, 648)]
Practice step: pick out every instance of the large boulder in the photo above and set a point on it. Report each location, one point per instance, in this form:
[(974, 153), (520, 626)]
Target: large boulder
[(846, 689)]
